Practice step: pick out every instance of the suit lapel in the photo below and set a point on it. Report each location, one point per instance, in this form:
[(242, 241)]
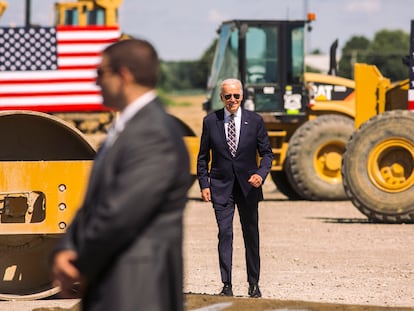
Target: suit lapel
[(220, 126), (244, 123)]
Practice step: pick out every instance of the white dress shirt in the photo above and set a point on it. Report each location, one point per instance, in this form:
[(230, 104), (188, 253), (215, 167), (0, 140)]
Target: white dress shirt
[(131, 110)]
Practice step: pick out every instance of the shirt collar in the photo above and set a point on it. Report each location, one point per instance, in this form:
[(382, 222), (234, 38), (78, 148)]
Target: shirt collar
[(133, 108), (227, 114)]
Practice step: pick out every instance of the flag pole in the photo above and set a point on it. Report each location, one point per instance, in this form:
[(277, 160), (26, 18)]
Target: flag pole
[(28, 10)]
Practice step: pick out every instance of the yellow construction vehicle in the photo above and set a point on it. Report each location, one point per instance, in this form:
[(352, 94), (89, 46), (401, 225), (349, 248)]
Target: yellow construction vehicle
[(309, 116), (44, 167), (45, 161), (378, 164), (3, 7), (87, 12)]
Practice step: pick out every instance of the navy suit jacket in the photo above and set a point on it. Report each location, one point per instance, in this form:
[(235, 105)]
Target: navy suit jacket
[(224, 168)]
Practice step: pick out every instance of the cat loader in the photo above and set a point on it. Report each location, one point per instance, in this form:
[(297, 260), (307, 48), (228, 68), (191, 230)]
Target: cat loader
[(378, 163), (309, 116)]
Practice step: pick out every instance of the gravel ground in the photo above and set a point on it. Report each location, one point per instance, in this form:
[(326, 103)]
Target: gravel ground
[(310, 251)]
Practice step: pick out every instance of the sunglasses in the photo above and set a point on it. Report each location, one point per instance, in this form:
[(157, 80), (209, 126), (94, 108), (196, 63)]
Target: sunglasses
[(101, 71), (228, 96)]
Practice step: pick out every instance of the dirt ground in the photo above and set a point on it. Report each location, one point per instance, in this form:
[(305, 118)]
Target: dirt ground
[(314, 255), (320, 252)]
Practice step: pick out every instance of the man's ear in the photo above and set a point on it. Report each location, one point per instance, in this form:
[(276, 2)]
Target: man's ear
[(126, 74)]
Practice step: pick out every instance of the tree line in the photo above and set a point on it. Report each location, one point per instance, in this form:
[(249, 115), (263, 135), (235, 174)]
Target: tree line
[(386, 51)]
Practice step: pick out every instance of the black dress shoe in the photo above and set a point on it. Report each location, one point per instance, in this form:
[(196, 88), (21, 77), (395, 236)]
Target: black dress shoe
[(254, 291), (226, 291)]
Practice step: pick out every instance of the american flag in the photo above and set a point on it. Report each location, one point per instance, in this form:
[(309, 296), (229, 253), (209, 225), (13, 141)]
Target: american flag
[(52, 69)]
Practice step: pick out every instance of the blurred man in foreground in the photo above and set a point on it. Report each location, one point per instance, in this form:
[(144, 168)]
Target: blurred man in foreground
[(123, 251)]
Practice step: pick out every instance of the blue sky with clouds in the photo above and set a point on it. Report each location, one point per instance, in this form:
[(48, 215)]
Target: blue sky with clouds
[(183, 29)]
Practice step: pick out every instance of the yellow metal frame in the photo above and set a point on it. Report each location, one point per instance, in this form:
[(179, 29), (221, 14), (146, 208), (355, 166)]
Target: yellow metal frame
[(3, 7), (83, 6), (193, 145), (63, 183), (344, 107), (370, 92)]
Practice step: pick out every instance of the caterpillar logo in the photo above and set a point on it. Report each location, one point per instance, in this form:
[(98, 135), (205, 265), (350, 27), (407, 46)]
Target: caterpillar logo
[(323, 92)]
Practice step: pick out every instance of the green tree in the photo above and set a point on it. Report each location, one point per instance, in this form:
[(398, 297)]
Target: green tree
[(204, 65), (386, 52), (184, 75), (352, 52)]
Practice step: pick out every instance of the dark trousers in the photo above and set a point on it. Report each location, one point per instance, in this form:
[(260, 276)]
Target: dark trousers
[(248, 212)]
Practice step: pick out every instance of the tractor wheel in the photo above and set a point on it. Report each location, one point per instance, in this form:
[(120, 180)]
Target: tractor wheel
[(314, 157), (378, 168), (283, 185)]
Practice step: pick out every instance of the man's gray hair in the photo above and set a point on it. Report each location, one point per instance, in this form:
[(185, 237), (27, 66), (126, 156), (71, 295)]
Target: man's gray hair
[(231, 81)]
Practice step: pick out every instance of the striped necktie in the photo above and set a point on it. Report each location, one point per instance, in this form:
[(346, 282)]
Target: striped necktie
[(231, 136)]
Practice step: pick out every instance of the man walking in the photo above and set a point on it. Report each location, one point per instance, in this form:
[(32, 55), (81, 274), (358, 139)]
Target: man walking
[(234, 137)]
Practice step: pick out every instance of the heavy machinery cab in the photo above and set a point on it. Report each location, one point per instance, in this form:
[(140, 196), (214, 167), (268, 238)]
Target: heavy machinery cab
[(268, 57), (87, 12)]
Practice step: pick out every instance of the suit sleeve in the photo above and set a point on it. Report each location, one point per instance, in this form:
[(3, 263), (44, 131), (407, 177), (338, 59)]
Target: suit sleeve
[(264, 150), (203, 157)]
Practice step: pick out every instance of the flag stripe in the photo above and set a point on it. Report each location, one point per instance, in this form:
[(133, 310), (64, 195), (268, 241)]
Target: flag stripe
[(79, 106), (64, 99), (81, 61), (39, 76), (80, 47), (10, 84), (411, 99), (80, 54), (17, 90), (69, 87)]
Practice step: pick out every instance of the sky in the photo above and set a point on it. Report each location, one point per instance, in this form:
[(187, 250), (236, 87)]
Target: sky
[(184, 29)]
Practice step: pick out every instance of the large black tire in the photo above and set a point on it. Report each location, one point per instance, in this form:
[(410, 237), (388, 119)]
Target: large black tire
[(314, 157), (378, 168), (282, 183)]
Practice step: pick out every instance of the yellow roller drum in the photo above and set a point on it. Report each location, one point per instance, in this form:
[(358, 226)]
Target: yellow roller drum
[(44, 167)]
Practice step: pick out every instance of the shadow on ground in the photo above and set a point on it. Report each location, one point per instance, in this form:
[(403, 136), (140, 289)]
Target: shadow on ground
[(203, 302), (197, 302)]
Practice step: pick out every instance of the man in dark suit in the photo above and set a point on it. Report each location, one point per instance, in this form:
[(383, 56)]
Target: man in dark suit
[(234, 136), (123, 250)]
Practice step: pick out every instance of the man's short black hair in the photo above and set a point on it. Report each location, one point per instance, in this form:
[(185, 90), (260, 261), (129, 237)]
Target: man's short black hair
[(139, 56)]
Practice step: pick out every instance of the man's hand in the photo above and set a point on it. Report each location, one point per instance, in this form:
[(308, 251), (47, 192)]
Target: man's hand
[(67, 276), (255, 180), (206, 195)]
